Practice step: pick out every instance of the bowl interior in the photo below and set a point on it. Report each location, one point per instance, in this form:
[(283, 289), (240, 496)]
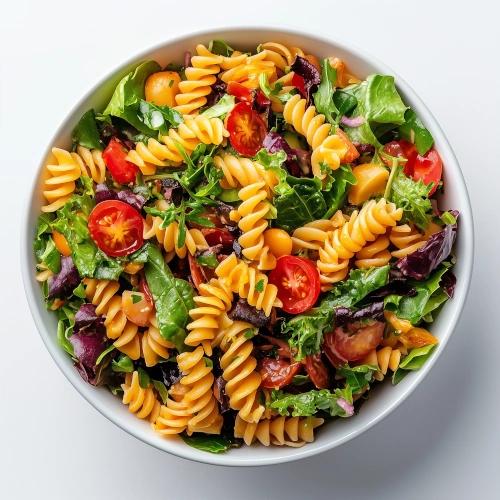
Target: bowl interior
[(386, 397)]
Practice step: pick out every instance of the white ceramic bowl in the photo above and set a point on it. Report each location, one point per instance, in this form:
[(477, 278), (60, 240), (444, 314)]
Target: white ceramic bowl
[(386, 398)]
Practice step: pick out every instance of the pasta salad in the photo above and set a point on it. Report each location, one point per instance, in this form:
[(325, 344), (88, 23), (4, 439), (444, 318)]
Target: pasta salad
[(242, 245)]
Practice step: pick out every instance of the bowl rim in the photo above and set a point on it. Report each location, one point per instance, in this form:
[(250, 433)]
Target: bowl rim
[(467, 257)]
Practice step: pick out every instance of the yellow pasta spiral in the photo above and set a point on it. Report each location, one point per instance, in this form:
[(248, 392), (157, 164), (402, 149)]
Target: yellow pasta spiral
[(168, 237), (241, 278), (190, 133), (199, 400), (385, 358), (154, 346), (213, 301), (281, 55), (102, 293), (238, 367), (44, 273), (199, 78), (375, 254), (343, 78), (249, 70), (61, 185), (407, 239), (313, 235), (91, 163), (140, 401), (174, 416), (288, 431)]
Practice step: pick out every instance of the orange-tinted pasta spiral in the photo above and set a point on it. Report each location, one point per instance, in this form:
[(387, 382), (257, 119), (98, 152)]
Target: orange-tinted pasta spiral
[(241, 278), (343, 78), (385, 358), (199, 78), (173, 417), (288, 431), (154, 346), (407, 239), (61, 185), (281, 55), (102, 293), (375, 254), (91, 163), (213, 301), (239, 372), (248, 72), (199, 400), (140, 401)]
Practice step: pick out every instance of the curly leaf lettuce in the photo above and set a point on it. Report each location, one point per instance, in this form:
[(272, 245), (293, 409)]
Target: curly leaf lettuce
[(323, 98), (414, 361)]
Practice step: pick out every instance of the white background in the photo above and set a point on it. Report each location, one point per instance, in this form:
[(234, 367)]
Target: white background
[(441, 443)]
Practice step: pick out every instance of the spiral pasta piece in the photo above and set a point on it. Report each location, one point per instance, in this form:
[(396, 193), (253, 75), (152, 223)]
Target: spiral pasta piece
[(281, 55), (241, 278), (173, 417), (199, 78), (91, 163), (407, 239), (386, 358), (154, 346), (343, 78), (190, 133), (61, 185), (213, 301), (168, 237), (43, 272), (103, 294), (140, 401), (199, 399), (313, 235), (374, 254), (248, 72), (282, 431), (239, 371)]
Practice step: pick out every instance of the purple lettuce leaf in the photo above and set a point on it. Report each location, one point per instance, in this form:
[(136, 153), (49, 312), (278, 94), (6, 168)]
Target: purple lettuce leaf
[(61, 285), (136, 201), (364, 148), (298, 161), (273, 143), (243, 311), (218, 90), (309, 73), (103, 193), (448, 282), (86, 316), (172, 190), (421, 262), (344, 315), (220, 394), (398, 285), (223, 212), (89, 346)]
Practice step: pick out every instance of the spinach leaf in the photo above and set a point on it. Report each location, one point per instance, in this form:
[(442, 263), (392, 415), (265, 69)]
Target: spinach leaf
[(222, 108), (209, 259), (412, 197), (274, 162), (62, 339), (47, 253), (123, 364), (301, 379), (274, 92), (128, 94), (336, 196), (414, 130), (220, 48), (103, 354), (344, 102), (144, 379), (307, 404), (159, 118), (206, 442), (301, 204), (173, 298), (43, 224), (162, 391), (323, 98), (429, 297), (357, 377), (86, 133), (414, 361)]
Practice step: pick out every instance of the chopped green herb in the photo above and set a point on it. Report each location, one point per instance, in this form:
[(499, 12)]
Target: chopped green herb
[(136, 299), (259, 286)]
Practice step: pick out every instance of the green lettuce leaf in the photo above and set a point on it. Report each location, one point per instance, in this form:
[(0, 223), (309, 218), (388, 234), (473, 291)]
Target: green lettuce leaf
[(46, 252), (86, 133), (414, 130), (122, 364), (158, 118), (357, 377), (344, 102), (220, 47), (206, 442), (222, 108), (173, 298), (414, 361), (323, 98), (338, 189), (270, 92)]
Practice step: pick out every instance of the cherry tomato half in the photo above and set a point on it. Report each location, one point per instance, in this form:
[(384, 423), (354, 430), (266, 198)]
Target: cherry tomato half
[(197, 272), (328, 347), (240, 91), (144, 288), (429, 168), (276, 373), (298, 284), (359, 344), (216, 236), (317, 371), (122, 170), (116, 228), (352, 152), (246, 129)]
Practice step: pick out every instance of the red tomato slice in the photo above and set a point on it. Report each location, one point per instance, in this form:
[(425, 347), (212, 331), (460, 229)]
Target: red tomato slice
[(197, 273), (215, 236), (317, 371), (144, 288), (331, 353), (298, 82), (298, 284), (359, 344), (122, 170), (246, 129), (116, 228), (352, 152), (284, 350), (240, 91), (401, 149), (262, 100), (276, 373), (429, 168)]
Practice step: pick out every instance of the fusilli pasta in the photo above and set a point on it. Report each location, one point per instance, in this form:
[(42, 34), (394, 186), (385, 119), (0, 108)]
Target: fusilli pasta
[(61, 185), (140, 401), (343, 78), (247, 73), (407, 239), (375, 254), (154, 346), (174, 416), (91, 163), (280, 55)]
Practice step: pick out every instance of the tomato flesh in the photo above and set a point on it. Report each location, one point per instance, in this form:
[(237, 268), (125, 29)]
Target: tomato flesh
[(429, 168), (352, 152), (317, 371), (144, 288), (215, 236), (298, 283), (246, 129), (284, 350), (328, 347), (299, 84), (122, 170), (116, 228), (240, 91), (359, 344), (276, 373), (197, 274)]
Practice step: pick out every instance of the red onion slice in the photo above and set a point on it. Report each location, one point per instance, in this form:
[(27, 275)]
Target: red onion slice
[(346, 406), (352, 122)]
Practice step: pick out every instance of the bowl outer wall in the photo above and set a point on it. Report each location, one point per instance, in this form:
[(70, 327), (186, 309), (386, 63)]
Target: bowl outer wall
[(387, 398)]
